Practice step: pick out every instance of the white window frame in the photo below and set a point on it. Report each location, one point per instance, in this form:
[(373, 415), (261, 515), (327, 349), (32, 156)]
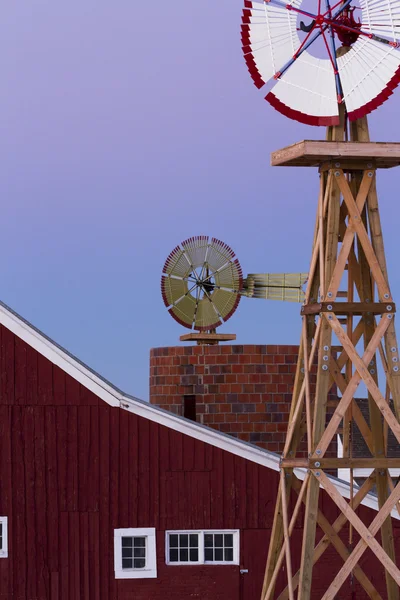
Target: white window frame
[(150, 569), (201, 533), (4, 548)]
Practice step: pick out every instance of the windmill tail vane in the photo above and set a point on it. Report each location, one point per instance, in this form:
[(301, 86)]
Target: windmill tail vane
[(202, 284), (287, 287)]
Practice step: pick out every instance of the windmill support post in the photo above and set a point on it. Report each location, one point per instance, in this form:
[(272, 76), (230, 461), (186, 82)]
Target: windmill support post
[(348, 330)]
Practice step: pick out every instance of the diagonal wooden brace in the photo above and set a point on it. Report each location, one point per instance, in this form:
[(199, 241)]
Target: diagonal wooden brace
[(366, 536), (358, 226), (348, 395)]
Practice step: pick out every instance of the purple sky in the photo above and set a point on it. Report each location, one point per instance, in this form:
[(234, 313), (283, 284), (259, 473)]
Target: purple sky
[(125, 128)]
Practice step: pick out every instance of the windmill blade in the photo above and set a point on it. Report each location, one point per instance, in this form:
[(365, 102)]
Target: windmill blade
[(381, 18), (369, 73), (286, 287), (269, 38), (307, 92), (206, 317)]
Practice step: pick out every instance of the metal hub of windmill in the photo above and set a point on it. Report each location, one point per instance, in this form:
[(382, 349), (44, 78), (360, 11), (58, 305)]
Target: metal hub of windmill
[(310, 89)]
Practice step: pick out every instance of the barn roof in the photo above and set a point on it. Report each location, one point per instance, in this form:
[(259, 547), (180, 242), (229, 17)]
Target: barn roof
[(113, 396)]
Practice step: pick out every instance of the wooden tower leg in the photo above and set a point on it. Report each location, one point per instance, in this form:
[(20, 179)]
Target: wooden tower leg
[(348, 327)]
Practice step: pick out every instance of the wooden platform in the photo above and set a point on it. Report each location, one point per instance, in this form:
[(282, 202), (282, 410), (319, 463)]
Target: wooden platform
[(208, 338), (311, 153)]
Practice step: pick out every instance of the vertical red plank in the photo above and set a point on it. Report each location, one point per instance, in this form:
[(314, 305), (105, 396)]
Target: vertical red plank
[(28, 421), (6, 500), (208, 457), (106, 538), (72, 391), (95, 549), (93, 479), (188, 453), (164, 466), (84, 442), (58, 386), (154, 476), (252, 495), (144, 473), (62, 450), (176, 450), (75, 556), (55, 586), (20, 371), (199, 456), (85, 565), (43, 576), (72, 454), (31, 376), (133, 470), (45, 381), (7, 367), (52, 487), (114, 492), (240, 496), (65, 555), (217, 490), (18, 529), (267, 489), (124, 475), (229, 491)]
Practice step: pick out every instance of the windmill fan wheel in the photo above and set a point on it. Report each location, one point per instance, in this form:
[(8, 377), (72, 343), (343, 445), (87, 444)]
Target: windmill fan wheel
[(201, 283)]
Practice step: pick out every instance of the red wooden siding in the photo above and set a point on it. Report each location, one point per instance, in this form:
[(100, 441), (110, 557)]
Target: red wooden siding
[(72, 469)]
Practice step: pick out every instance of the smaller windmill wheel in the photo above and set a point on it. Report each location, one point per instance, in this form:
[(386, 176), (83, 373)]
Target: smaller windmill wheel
[(200, 283)]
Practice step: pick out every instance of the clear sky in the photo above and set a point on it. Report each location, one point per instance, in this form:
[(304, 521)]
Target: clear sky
[(126, 127)]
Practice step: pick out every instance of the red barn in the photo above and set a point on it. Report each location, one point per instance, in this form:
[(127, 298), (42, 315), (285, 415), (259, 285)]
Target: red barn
[(106, 497)]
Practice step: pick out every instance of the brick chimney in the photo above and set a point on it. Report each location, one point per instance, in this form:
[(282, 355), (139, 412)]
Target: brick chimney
[(245, 391)]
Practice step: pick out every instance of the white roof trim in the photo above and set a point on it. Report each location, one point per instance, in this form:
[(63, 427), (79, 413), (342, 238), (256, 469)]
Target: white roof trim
[(114, 397)]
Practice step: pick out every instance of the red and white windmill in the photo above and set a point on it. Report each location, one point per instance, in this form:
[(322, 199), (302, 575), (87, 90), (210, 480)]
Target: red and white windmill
[(310, 89)]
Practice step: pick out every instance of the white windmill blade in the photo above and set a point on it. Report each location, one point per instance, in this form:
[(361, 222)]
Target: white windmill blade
[(381, 17), (307, 92), (369, 73), (269, 38)]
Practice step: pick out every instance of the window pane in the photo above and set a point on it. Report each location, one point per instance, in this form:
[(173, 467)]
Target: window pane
[(139, 542), (208, 555), (127, 563), (126, 552), (173, 555), (139, 563), (184, 540), (228, 554), (127, 541), (184, 555), (139, 553), (194, 540), (208, 540), (194, 555), (228, 540), (173, 541), (218, 554), (218, 540)]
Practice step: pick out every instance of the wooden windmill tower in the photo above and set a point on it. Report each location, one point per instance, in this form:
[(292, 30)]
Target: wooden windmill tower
[(348, 317)]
